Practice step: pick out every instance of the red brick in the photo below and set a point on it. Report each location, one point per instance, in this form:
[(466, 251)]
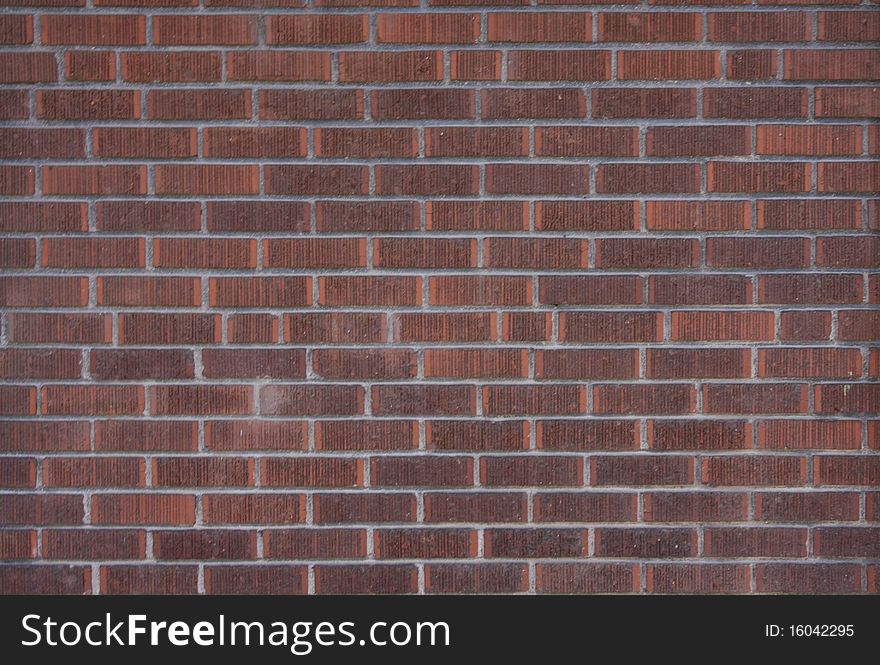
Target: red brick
[(202, 472), (810, 363), (647, 178), (165, 329), (141, 364), (315, 543), (697, 578), (207, 180), (364, 508), (265, 292), (481, 290), (228, 435), (16, 29), (256, 580), (475, 142), (846, 470), (481, 435), (539, 27), (311, 472), (806, 506), (475, 65), (550, 65), (28, 436), (476, 578), (476, 215), (532, 103), (831, 65), (367, 216), (18, 544), (177, 67), (849, 176), (666, 65), (18, 143), (703, 140), (649, 27), (45, 579), (253, 216), (857, 325), (738, 27), (395, 253), (165, 579), (305, 399), (851, 26), (252, 329), (752, 65), (374, 578), (354, 435), (278, 66), (450, 328), (202, 400), (591, 290), (59, 328), (136, 509), (808, 578), (434, 400), (254, 508), (758, 253), (146, 435), (195, 104), (365, 291), (43, 216), (586, 364), (475, 507), (148, 143), (279, 104), (571, 578), (132, 216), (204, 254), (364, 364), (644, 103), (95, 472), (427, 28), (335, 328), (421, 471), (204, 544), (258, 142), (843, 102), (225, 30), (526, 326), (72, 399), (699, 290), (755, 102), (317, 30), (641, 470), (476, 363), (315, 253), (93, 29), (758, 470), (423, 104), (698, 434)]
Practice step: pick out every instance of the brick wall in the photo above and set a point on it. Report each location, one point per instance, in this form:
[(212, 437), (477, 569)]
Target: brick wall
[(440, 296)]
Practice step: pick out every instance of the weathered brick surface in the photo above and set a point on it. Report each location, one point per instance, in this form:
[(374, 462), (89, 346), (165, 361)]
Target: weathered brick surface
[(459, 296)]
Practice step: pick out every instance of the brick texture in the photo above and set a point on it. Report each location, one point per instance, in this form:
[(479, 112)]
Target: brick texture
[(459, 296)]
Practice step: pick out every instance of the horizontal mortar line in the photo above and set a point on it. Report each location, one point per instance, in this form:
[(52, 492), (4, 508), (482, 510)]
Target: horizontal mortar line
[(508, 160), (567, 122), (512, 345), (364, 271), (585, 84), (453, 560), (458, 123), (474, 9), (694, 45), (275, 382), (433, 198), (689, 271)]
